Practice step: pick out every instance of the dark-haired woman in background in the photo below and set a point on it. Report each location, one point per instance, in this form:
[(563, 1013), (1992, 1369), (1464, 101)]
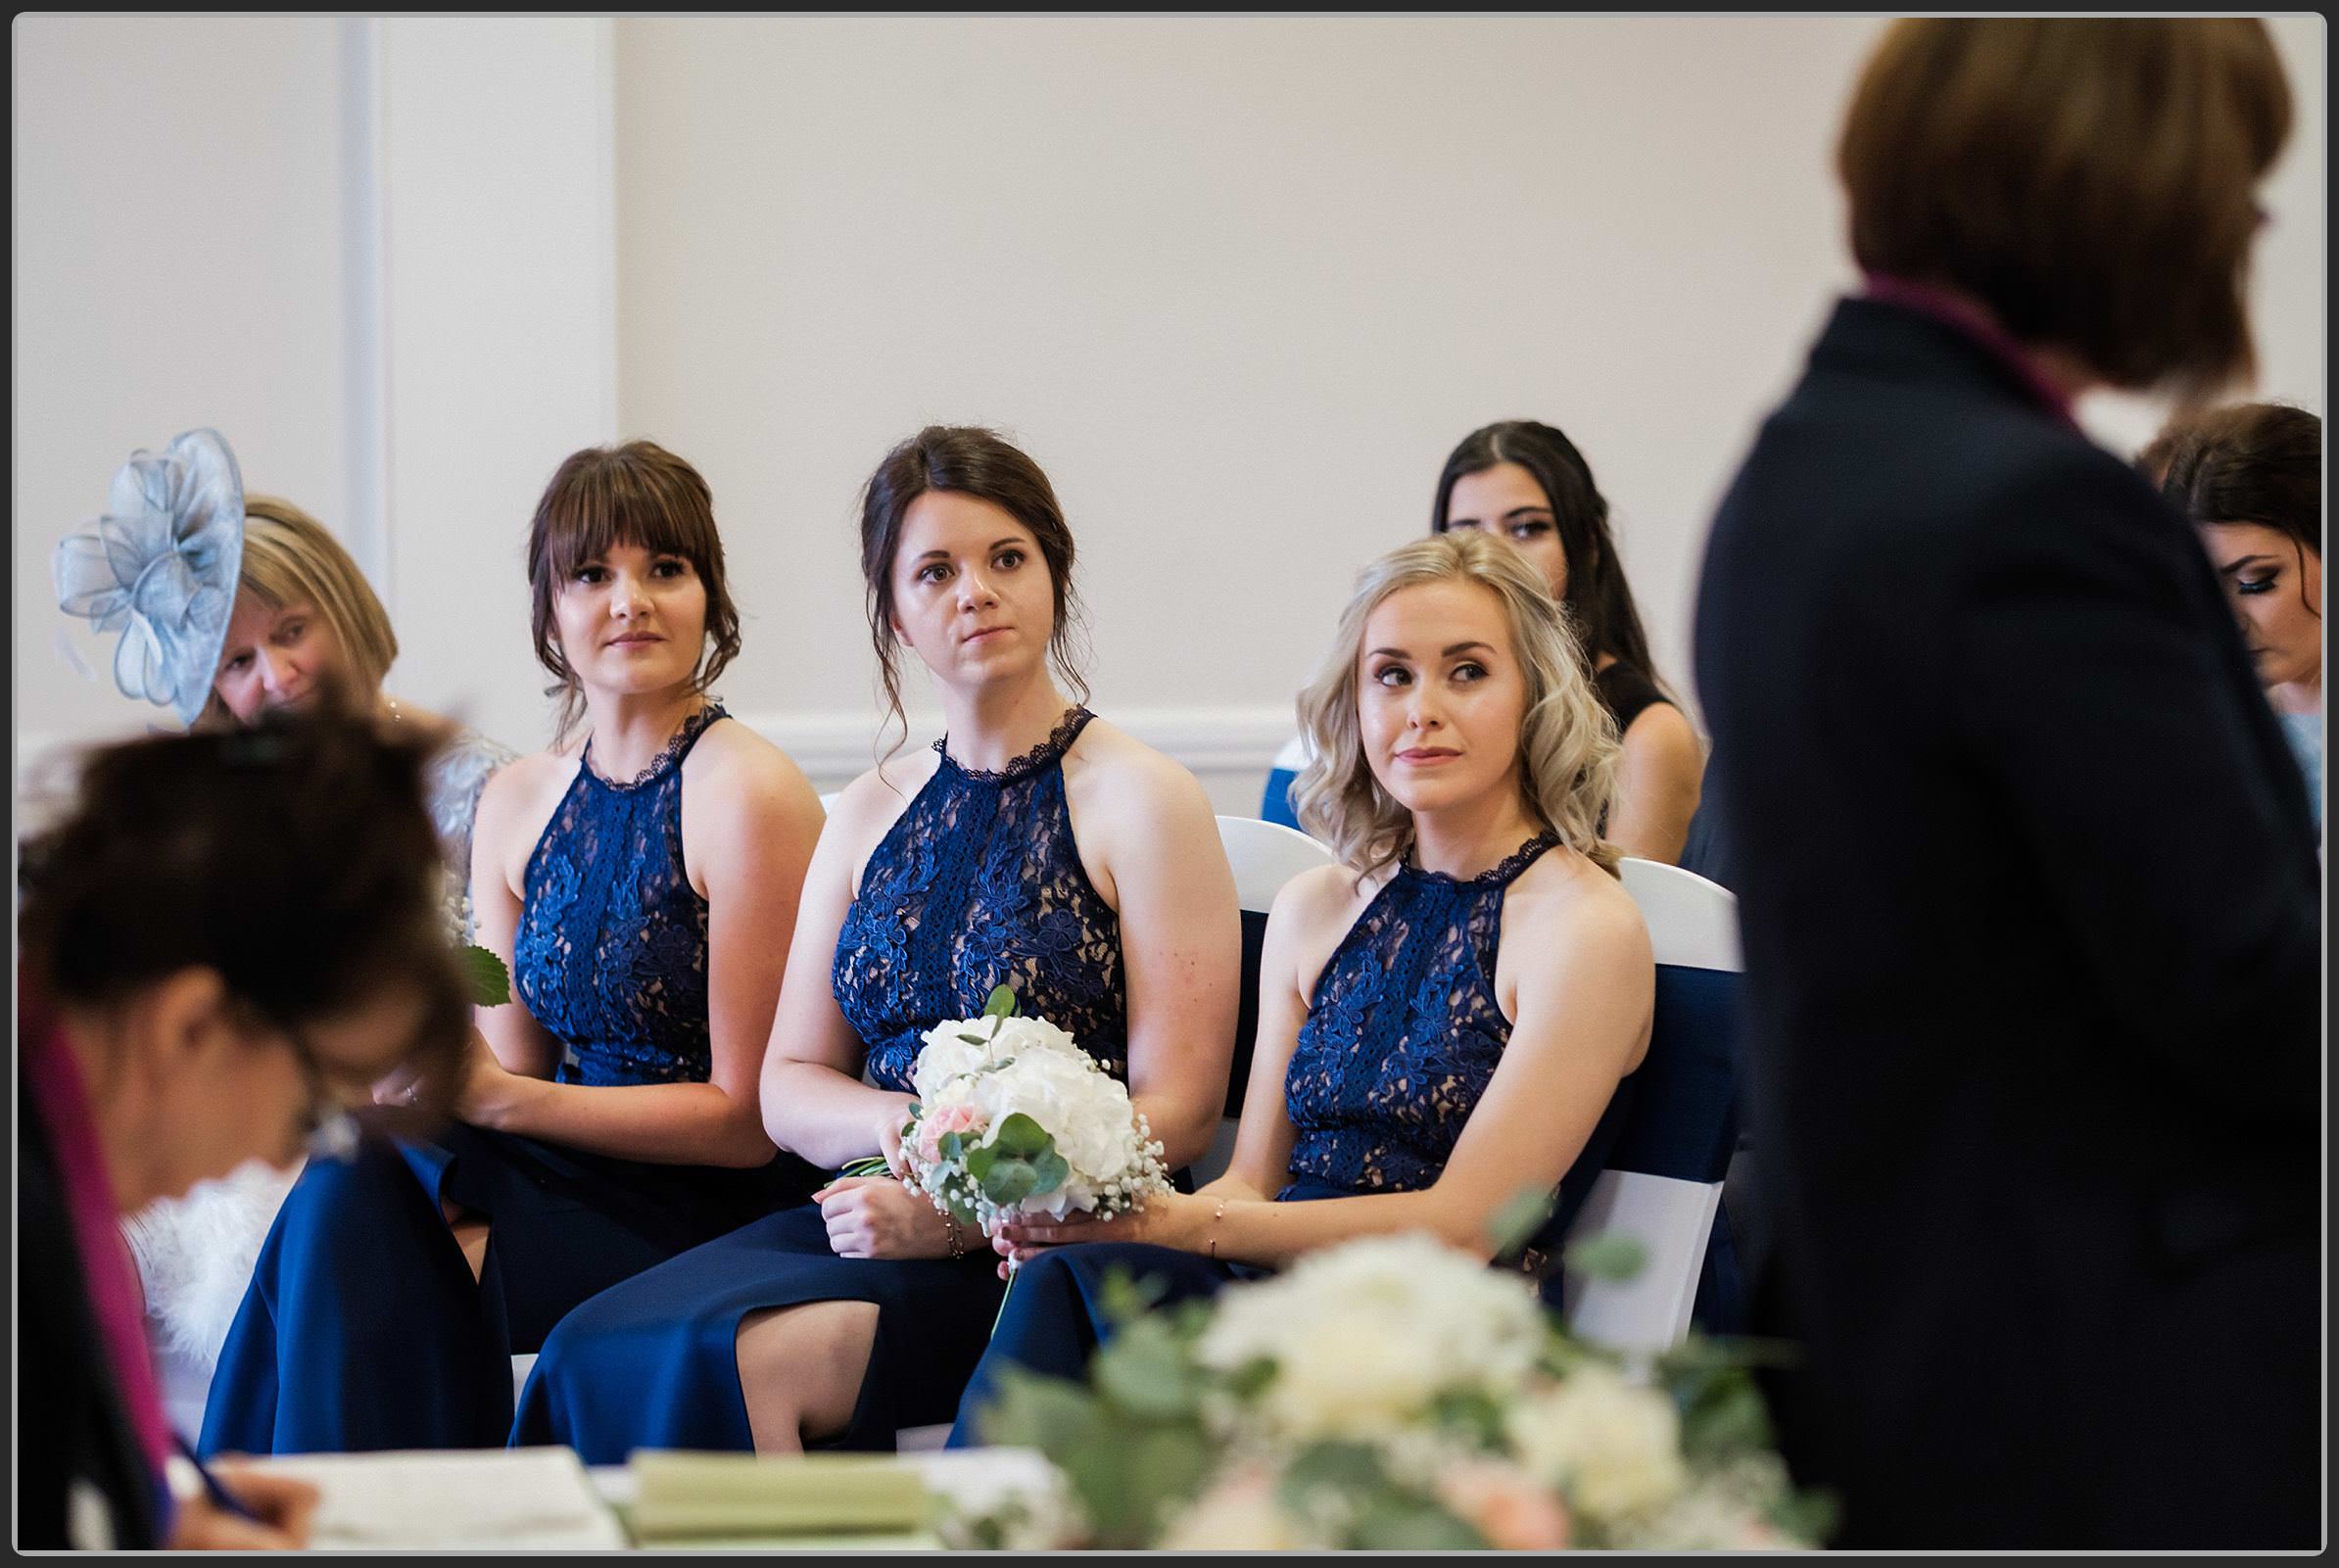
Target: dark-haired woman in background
[(2250, 478), (228, 940), (1036, 846), (641, 890), (1527, 483)]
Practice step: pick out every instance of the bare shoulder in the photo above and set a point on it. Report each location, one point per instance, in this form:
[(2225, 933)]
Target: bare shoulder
[(1563, 903), (514, 805), (742, 765), (1664, 731), (1113, 768), (1312, 914), (526, 786), (1323, 899), (873, 801)]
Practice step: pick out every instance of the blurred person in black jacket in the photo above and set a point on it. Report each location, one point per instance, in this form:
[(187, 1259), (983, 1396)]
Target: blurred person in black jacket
[(2025, 870)]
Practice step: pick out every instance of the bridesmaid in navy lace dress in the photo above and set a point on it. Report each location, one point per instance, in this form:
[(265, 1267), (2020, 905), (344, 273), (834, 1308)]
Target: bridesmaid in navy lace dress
[(1036, 846), (1449, 1016), (608, 1117)]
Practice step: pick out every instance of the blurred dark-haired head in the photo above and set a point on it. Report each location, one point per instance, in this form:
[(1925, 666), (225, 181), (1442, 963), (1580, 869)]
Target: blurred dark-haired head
[(289, 872)]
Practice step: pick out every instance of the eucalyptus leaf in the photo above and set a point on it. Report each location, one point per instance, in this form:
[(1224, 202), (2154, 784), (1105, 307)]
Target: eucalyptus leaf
[(1144, 1370), (1008, 1182), (1031, 1411), (1515, 1223), (1612, 1257), (1472, 1410), (1000, 1004), (1124, 1298), (1347, 1468), (1021, 1137), (1414, 1526), (1808, 1516), (490, 980)]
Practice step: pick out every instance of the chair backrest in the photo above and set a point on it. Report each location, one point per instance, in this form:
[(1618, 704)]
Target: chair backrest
[(1663, 1181), (1265, 856), (1275, 804)]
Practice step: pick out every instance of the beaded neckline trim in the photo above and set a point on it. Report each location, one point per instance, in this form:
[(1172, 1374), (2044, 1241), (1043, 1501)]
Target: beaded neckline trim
[(1058, 740), (1518, 859), (666, 754)]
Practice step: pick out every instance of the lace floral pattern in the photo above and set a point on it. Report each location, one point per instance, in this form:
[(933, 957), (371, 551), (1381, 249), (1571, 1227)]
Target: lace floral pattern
[(611, 955), (979, 884), (1403, 1034)]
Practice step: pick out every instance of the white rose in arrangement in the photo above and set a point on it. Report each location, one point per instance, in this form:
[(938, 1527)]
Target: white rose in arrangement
[(1614, 1448), (1365, 1335)]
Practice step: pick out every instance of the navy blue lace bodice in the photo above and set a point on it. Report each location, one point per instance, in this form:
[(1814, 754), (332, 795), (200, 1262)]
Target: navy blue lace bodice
[(978, 884), (611, 955), (1403, 1034)]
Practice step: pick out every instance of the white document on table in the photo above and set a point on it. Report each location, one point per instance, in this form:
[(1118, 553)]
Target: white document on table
[(486, 1498)]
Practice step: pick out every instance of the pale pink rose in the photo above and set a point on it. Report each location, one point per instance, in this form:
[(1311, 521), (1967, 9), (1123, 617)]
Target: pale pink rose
[(932, 1130), (1505, 1506)]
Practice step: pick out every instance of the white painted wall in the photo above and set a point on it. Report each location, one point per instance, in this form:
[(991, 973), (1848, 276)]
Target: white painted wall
[(1239, 283), (501, 337), (177, 234)]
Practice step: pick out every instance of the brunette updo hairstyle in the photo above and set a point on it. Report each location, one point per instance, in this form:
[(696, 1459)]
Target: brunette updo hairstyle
[(294, 858), (964, 460), (641, 494)]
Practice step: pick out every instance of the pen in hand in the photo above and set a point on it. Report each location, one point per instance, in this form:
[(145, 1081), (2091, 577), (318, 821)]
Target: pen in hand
[(221, 1498)]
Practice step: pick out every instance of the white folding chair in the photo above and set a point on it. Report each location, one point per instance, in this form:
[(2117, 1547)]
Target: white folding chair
[(1664, 1183)]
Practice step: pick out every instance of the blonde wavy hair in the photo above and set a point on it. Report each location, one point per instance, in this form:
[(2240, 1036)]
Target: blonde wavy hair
[(1567, 740), (290, 559)]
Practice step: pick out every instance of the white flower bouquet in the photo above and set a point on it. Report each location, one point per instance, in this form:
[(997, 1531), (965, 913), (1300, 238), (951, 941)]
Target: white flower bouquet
[(1013, 1119), (1396, 1394)]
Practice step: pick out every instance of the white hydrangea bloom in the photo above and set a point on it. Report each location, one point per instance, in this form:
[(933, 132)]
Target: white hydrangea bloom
[(1363, 1335), (1000, 1068), (1614, 1446)]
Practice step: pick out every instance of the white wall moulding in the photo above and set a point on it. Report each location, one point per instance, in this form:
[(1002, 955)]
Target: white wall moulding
[(840, 745), (1228, 748)]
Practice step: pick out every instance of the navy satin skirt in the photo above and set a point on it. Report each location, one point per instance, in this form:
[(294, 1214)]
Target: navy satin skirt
[(653, 1362), (363, 1329)]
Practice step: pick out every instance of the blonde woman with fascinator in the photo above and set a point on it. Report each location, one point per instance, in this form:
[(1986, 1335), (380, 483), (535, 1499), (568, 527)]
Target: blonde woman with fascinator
[(1449, 1016), (270, 614), (305, 620)]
